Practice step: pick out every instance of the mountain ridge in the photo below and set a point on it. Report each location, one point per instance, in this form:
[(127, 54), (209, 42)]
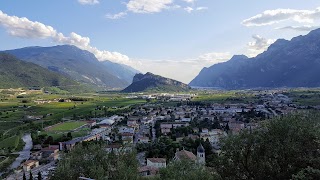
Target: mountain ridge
[(294, 63), (72, 62), (15, 73), (152, 82)]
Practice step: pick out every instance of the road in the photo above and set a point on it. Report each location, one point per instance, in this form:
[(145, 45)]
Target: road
[(35, 171)]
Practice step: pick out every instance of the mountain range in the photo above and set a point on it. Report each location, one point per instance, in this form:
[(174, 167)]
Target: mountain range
[(152, 82), (294, 63), (77, 64), (15, 73)]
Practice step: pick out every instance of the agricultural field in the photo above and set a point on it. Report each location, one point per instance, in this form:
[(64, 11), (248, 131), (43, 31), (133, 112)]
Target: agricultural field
[(224, 97), (306, 97), (67, 126), (25, 111), (10, 143)]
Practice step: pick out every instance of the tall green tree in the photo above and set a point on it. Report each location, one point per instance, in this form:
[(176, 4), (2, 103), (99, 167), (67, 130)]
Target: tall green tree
[(93, 161), (186, 170), (39, 176), (24, 176), (278, 149), (30, 175)]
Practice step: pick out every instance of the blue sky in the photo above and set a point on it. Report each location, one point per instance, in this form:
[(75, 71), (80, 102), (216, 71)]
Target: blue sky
[(173, 38)]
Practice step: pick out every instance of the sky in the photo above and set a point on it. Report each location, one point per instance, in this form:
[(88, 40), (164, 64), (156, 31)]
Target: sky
[(172, 38)]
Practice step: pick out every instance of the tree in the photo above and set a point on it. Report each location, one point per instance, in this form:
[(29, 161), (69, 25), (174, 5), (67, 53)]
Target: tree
[(279, 149), (94, 162), (185, 169), (30, 176), (24, 176), (69, 135), (49, 140), (39, 176)]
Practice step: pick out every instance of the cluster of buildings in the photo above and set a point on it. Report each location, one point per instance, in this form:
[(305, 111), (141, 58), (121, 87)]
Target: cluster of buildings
[(145, 123)]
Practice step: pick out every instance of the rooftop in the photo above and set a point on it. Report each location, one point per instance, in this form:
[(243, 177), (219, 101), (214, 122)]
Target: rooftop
[(157, 160)]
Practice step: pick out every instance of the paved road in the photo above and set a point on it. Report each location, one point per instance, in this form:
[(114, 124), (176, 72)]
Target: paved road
[(35, 171)]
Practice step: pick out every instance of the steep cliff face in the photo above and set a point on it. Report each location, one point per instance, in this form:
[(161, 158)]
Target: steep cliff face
[(152, 82), (294, 63)]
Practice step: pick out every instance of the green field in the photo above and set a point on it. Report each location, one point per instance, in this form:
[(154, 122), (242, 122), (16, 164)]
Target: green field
[(224, 97), (15, 107), (11, 142), (307, 97), (67, 126)]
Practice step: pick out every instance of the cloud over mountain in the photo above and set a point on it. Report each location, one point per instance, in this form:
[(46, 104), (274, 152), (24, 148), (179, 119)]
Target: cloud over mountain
[(24, 28), (259, 45)]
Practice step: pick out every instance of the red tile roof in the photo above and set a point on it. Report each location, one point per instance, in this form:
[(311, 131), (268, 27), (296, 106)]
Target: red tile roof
[(185, 155), (157, 160)]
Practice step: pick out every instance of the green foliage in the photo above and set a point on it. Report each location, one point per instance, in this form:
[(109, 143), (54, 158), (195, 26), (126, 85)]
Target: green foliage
[(278, 149), (163, 147), (94, 162), (16, 73), (186, 170), (39, 176), (10, 143)]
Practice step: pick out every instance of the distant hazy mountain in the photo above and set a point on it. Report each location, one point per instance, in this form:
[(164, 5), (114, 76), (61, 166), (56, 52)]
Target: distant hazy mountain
[(152, 82), (71, 61), (122, 71), (294, 63), (15, 73)]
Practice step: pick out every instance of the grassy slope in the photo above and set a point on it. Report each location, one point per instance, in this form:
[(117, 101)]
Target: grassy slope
[(17, 73)]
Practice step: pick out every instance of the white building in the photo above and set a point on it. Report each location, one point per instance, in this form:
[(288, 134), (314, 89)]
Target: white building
[(157, 162)]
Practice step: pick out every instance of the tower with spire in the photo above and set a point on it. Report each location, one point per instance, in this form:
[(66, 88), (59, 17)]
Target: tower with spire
[(201, 155)]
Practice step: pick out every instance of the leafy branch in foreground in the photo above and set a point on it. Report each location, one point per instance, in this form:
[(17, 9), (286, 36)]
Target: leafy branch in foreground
[(279, 149)]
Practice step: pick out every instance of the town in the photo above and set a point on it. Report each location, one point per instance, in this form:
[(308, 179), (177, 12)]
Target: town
[(183, 124)]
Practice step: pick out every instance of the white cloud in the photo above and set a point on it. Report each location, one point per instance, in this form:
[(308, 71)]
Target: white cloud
[(215, 57), (24, 28), (270, 17), (116, 16), (148, 6), (188, 9), (201, 8), (181, 70), (190, 1), (88, 2), (298, 28), (259, 45)]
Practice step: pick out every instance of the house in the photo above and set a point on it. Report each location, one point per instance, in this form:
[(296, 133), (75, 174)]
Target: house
[(143, 140), (187, 155), (184, 155), (127, 137), (36, 155), (50, 153), (146, 171), (37, 147), (132, 123), (205, 130), (30, 164), (69, 145), (157, 162), (91, 123), (166, 127)]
